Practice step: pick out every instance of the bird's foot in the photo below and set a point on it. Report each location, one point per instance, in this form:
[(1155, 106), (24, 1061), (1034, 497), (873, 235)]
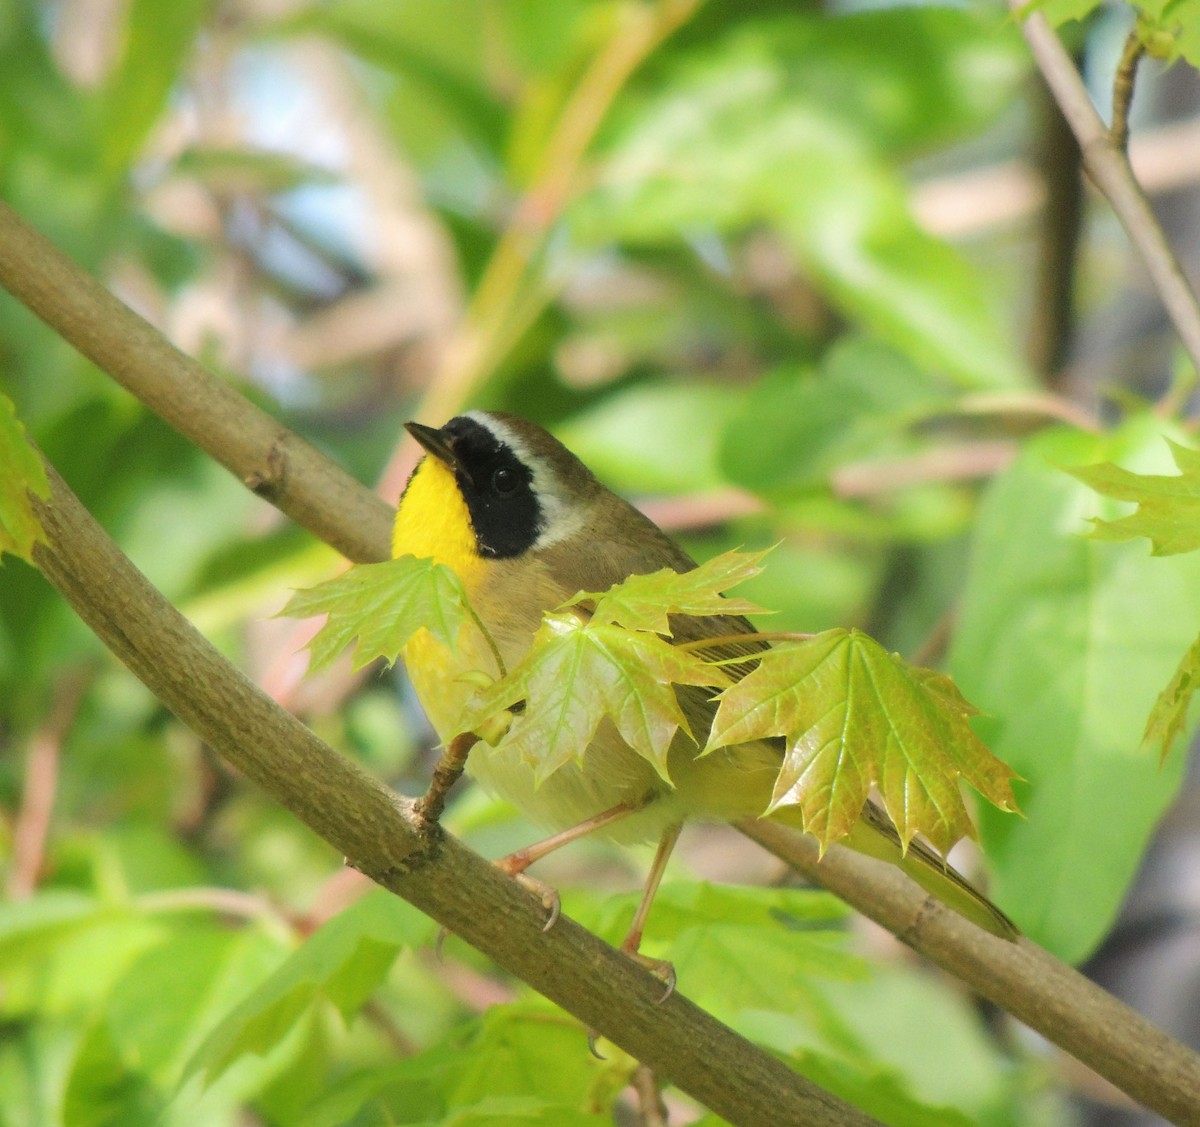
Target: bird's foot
[(660, 968), (514, 865)]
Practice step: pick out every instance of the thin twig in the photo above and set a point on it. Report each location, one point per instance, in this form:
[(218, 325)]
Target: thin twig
[(448, 771), (651, 1109), (970, 203), (1123, 82), (223, 901), (401, 1044), (1060, 224), (1043, 405), (962, 461), (937, 641), (1109, 168), (32, 826)]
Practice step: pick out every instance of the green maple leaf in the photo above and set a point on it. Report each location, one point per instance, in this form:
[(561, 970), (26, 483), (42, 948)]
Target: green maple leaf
[(579, 672), (1168, 505), (383, 605), (853, 716), (1168, 514), (643, 602), (21, 473), (1169, 714)]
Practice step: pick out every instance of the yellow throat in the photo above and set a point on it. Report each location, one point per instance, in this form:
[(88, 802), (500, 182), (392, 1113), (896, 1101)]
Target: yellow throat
[(433, 523)]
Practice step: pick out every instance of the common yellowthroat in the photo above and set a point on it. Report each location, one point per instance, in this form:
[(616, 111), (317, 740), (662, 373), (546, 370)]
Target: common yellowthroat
[(525, 526)]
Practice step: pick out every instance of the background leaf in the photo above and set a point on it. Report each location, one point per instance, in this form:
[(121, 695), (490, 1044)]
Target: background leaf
[(798, 425), (21, 472), (342, 963), (1049, 623), (1168, 718), (1168, 506), (740, 138)]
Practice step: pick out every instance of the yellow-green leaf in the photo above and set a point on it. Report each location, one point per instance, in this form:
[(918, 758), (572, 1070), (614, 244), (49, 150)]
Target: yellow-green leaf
[(643, 602), (21, 473), (1169, 714), (1168, 505), (853, 716), (576, 674), (383, 605)]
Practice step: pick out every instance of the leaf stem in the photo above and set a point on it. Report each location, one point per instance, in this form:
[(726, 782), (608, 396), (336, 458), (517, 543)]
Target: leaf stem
[(487, 635)]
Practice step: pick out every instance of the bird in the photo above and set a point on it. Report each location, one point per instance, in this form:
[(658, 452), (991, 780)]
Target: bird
[(526, 526)]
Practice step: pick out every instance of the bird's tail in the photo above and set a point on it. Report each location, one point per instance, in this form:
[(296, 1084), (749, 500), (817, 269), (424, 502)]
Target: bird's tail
[(875, 836)]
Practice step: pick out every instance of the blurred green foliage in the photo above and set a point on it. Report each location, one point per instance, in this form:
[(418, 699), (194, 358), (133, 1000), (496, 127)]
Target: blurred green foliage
[(700, 263)]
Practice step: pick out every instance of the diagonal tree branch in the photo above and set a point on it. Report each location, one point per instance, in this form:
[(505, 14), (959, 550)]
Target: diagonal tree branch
[(1108, 165), (379, 832), (1043, 992)]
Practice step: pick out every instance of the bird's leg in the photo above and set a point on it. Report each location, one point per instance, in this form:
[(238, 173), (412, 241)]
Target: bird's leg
[(516, 863), (633, 938)]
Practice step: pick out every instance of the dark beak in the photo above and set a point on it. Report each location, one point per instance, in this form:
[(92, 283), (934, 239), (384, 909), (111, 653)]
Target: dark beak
[(435, 442)]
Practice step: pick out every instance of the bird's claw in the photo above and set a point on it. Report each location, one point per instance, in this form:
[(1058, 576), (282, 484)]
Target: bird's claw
[(662, 969), (545, 893)]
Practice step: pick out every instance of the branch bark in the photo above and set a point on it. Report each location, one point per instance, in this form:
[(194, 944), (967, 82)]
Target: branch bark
[(381, 834), (1108, 165)]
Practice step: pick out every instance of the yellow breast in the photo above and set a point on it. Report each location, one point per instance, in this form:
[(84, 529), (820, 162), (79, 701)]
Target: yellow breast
[(433, 523)]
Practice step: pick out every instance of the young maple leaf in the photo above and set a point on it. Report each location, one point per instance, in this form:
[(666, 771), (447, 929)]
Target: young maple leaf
[(1168, 513), (1168, 506), (577, 673), (643, 602), (21, 472), (383, 605), (853, 715), (1169, 714)]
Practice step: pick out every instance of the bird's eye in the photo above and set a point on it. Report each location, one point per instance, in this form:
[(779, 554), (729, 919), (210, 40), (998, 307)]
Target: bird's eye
[(504, 480)]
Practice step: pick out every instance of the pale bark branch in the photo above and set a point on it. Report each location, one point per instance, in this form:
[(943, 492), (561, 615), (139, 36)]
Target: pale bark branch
[(1108, 166)]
